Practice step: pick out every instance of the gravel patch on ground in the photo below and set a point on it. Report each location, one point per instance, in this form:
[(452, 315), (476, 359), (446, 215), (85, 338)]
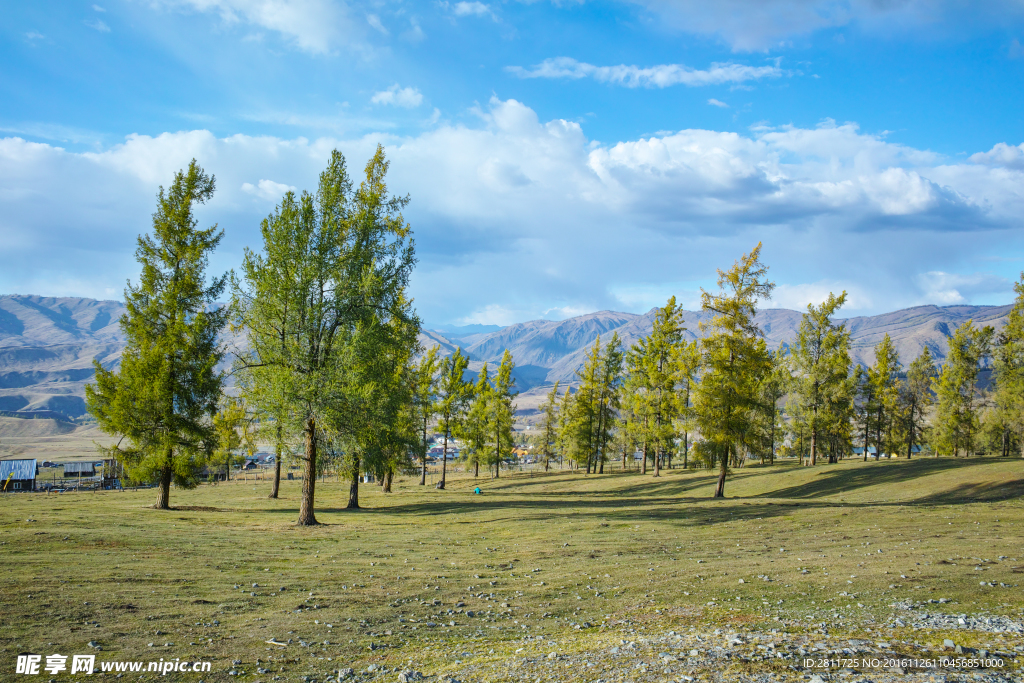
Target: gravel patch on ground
[(789, 653)]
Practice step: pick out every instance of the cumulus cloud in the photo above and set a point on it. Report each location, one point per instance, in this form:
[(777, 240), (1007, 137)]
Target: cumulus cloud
[(659, 76), (718, 103), (268, 189), (398, 96), (762, 24), (98, 25), (798, 296), (468, 9), (516, 217), (1002, 154), (313, 25), (952, 288)]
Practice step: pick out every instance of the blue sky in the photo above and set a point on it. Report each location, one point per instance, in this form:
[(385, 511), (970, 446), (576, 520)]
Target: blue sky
[(561, 157)]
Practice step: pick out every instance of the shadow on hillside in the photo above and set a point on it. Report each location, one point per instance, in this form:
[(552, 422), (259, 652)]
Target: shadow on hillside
[(845, 480)]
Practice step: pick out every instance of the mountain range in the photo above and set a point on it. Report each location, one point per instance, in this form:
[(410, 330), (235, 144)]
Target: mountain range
[(47, 344)]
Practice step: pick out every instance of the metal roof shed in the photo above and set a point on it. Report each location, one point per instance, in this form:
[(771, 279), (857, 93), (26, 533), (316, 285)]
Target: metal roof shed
[(18, 475)]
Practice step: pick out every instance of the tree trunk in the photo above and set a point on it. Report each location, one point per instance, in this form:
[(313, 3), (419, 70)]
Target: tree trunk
[(444, 462), (306, 516), (165, 482), (910, 440), (277, 466), (353, 486), (723, 468), (645, 459), (814, 437), (423, 458), (686, 450), (476, 467), (387, 480), (657, 462)]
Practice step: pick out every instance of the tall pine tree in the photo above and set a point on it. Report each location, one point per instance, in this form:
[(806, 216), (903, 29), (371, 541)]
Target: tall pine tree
[(162, 399)]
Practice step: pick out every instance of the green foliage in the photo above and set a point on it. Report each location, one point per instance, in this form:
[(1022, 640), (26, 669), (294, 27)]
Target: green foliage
[(234, 437), (475, 430), (883, 376), (588, 419), (915, 398), (687, 367), (820, 359), (502, 413), (424, 402), (1009, 375), (330, 327), (455, 394), (734, 360), (548, 437), (655, 374), (162, 398), (956, 417)]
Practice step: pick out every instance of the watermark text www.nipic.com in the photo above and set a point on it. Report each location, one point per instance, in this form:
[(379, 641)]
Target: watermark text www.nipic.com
[(86, 664)]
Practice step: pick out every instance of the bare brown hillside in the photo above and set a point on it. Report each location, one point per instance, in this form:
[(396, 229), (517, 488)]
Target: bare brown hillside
[(47, 344)]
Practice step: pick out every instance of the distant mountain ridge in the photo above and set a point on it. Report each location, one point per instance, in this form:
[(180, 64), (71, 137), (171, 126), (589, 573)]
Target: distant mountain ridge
[(546, 351), (47, 344)]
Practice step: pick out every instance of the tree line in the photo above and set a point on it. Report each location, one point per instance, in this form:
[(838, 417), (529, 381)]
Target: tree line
[(721, 399), (331, 372)]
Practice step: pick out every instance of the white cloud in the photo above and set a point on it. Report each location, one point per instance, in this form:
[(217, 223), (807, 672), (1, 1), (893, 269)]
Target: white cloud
[(374, 21), (660, 76), (517, 217), (313, 25), (408, 98), (952, 288), (469, 9), (268, 189), (718, 103), (797, 296), (493, 314), (98, 25), (34, 35), (1002, 154), (97, 8)]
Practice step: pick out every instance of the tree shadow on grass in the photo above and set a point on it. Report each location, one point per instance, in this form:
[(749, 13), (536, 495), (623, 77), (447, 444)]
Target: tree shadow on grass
[(990, 492), (845, 480)]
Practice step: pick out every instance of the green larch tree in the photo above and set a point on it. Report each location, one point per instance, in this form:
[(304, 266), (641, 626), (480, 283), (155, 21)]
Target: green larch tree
[(687, 366), (549, 426), (503, 412), (915, 397), (475, 431), (884, 377), (956, 390), (734, 359), (424, 402), (1008, 373), (454, 396), (162, 399), (339, 262), (820, 358)]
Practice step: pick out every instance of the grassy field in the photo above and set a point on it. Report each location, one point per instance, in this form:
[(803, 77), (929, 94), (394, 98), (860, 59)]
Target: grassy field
[(583, 561)]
